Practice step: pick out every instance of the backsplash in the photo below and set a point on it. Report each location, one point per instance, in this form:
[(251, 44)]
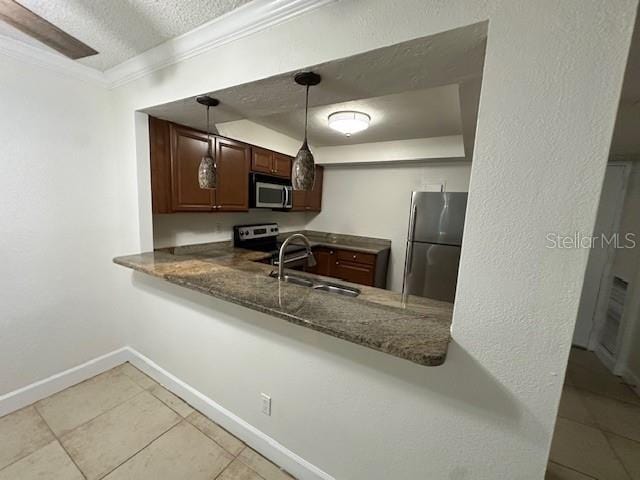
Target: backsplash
[(188, 228)]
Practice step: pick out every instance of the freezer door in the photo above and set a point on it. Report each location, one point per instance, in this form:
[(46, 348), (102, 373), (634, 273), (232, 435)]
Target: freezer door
[(439, 217), (431, 271)]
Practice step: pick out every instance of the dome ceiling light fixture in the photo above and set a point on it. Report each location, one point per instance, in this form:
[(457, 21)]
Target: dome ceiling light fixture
[(207, 174), (349, 122), (303, 169)]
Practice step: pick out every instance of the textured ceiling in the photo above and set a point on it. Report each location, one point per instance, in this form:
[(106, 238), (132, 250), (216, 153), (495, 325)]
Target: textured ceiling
[(370, 81), (433, 112), (121, 29)]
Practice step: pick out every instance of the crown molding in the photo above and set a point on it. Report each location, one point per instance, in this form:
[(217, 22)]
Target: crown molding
[(49, 60), (252, 17)]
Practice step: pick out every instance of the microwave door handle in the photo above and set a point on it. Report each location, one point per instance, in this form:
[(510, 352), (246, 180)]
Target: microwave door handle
[(286, 197)]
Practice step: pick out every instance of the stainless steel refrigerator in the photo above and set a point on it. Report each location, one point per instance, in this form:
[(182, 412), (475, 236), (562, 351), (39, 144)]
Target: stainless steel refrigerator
[(433, 244)]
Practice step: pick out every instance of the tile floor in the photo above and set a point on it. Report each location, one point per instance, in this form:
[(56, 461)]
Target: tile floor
[(123, 425), (597, 434)]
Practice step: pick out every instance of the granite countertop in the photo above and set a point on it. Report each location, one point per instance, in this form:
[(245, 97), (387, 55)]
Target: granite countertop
[(339, 240), (418, 332)]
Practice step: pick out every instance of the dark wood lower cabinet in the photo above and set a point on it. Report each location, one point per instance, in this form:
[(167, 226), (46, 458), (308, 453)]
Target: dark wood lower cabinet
[(351, 266)]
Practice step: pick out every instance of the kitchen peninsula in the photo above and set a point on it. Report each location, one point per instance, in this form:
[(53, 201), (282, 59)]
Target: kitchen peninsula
[(418, 331)]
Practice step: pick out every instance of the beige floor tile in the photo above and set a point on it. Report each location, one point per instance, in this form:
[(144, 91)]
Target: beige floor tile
[(602, 383), (239, 471), (105, 442), (74, 406), (573, 407), (170, 400), (613, 416), (560, 472), (21, 433), (262, 466), (629, 453), (182, 453), (216, 433), (136, 375), (49, 463), (585, 449)]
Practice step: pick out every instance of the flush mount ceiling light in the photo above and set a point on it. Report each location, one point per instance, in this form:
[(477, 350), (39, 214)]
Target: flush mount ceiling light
[(207, 175), (303, 169), (349, 122)]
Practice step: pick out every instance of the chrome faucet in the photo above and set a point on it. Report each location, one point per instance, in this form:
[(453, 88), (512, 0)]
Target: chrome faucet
[(311, 261)]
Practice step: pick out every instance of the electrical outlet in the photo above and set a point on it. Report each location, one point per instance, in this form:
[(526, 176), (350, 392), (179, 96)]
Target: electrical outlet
[(266, 403)]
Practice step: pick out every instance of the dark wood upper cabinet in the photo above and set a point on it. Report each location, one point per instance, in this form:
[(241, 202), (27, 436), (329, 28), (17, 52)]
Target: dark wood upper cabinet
[(271, 163), (232, 162), (314, 197), (310, 201), (282, 165), (187, 149), (261, 160), (176, 152)]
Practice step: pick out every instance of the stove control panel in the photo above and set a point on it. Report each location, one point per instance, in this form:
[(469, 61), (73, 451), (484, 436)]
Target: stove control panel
[(243, 233)]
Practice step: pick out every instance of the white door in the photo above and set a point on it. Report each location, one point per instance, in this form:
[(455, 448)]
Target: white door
[(611, 201)]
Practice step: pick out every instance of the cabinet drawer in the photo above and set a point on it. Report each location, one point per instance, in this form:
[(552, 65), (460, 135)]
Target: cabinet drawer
[(354, 272), (356, 257)]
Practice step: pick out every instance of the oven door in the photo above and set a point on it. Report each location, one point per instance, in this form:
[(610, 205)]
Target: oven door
[(272, 195)]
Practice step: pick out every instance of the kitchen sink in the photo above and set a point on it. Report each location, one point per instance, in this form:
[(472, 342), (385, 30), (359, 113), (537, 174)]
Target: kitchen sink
[(319, 285)]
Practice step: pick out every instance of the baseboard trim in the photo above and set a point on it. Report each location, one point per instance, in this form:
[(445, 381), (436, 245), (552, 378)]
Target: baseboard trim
[(256, 439), (632, 379), (24, 396)]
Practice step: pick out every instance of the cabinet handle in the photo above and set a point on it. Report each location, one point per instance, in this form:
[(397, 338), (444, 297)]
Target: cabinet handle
[(337, 263), (354, 257), (330, 252)]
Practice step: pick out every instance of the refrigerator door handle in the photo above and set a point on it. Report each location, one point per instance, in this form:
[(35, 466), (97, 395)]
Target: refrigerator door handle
[(409, 258), (412, 231)]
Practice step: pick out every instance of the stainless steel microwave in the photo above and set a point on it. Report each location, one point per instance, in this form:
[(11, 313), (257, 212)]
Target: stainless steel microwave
[(271, 192)]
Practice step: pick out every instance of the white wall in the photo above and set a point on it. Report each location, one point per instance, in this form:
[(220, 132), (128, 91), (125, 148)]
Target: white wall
[(58, 224), (539, 160), (434, 148), (373, 200)]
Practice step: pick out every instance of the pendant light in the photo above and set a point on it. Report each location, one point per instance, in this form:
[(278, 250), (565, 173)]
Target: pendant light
[(207, 175), (303, 170)]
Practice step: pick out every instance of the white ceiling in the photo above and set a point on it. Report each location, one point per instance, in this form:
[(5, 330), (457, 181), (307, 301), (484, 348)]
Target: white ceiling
[(122, 29), (409, 89), (433, 112)]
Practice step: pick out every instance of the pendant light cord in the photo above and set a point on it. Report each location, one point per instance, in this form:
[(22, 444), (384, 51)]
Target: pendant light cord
[(306, 113), (209, 149)]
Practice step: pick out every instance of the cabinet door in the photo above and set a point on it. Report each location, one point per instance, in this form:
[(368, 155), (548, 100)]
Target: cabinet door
[(187, 149), (299, 201), (232, 161), (325, 261), (282, 165), (314, 197), (261, 160), (355, 272)]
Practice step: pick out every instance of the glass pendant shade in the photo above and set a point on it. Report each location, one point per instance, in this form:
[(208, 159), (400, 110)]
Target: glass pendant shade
[(207, 171), (207, 177), (303, 170)]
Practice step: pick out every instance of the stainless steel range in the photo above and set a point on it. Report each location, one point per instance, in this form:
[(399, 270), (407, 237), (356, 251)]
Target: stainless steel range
[(264, 238)]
